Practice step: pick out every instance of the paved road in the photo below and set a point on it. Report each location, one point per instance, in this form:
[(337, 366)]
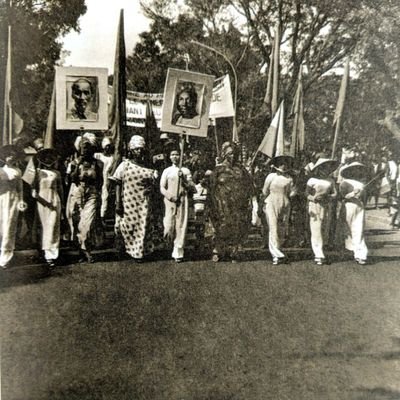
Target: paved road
[(198, 330)]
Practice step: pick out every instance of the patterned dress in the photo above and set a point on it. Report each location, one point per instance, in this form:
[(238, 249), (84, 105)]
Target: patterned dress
[(135, 226), (83, 209), (231, 190)]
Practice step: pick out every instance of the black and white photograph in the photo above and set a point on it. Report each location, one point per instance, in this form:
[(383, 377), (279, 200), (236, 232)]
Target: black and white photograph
[(199, 200)]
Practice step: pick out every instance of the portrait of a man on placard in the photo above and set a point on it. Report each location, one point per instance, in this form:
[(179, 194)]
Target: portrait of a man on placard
[(188, 103), (187, 98), (82, 98)]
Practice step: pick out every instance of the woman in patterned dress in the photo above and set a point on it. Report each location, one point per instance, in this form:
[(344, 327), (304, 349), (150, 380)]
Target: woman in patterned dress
[(48, 193), (135, 184)]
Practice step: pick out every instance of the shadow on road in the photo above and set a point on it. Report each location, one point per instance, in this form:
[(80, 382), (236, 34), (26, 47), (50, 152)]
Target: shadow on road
[(378, 394)]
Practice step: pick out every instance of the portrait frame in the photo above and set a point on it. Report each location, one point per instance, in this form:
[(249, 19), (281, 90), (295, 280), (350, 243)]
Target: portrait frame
[(196, 122), (71, 112)]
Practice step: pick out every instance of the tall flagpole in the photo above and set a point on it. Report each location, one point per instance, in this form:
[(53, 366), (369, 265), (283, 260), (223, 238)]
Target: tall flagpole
[(235, 137), (340, 106), (275, 79)]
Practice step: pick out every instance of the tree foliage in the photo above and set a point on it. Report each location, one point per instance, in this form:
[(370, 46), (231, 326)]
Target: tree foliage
[(37, 27), (318, 34)]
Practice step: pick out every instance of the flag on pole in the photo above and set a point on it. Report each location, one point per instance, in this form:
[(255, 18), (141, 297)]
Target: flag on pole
[(151, 130), (337, 119), (275, 77), (268, 92), (298, 135), (12, 122), (272, 144), (117, 115), (51, 122), (342, 94), (280, 141)]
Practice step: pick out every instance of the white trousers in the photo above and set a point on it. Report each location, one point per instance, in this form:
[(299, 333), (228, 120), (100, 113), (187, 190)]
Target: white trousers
[(175, 224), (317, 213), (355, 222), (277, 218)]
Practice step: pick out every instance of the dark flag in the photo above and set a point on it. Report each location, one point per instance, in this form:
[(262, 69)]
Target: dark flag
[(12, 122), (51, 122), (151, 132), (117, 115)]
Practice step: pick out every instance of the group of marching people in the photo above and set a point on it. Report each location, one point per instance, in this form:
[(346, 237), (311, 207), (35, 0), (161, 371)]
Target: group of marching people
[(334, 194)]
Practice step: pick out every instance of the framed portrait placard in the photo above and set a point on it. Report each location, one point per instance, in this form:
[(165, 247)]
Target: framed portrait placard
[(81, 98), (187, 98)]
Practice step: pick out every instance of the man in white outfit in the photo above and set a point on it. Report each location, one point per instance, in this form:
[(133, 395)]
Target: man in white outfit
[(174, 186)]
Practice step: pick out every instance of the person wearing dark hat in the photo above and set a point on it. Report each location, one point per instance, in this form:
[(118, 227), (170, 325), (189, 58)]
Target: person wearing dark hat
[(320, 192), (277, 191), (11, 202), (352, 190), (230, 201), (48, 192)]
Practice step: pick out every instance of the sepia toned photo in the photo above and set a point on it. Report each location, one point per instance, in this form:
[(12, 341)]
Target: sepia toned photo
[(188, 105), (199, 200), (187, 99), (82, 98)]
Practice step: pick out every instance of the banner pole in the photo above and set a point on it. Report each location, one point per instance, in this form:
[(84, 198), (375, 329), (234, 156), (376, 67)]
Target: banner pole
[(182, 148)]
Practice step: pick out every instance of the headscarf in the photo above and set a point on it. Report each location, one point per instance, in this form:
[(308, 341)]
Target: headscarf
[(77, 142), (136, 142), (227, 148), (90, 138), (105, 142)]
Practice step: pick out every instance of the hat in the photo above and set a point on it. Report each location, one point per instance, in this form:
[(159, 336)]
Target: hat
[(136, 142), (106, 141), (355, 170), (47, 157), (325, 165), (284, 162), (9, 150)]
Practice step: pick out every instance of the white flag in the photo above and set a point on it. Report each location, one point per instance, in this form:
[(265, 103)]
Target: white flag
[(273, 140)]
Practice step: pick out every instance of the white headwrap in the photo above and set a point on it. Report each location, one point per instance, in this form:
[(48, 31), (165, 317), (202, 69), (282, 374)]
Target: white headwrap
[(105, 142), (77, 142), (136, 142), (90, 137)]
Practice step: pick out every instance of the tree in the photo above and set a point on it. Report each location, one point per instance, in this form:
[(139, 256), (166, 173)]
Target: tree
[(318, 34), (37, 26)]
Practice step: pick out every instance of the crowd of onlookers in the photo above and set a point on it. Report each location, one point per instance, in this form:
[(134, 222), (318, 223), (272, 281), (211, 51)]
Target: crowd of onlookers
[(47, 198)]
